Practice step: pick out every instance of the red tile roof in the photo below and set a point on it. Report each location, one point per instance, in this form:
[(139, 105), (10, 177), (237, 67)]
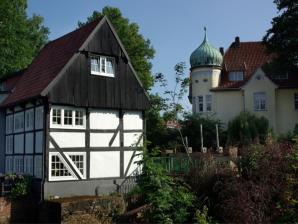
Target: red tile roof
[(48, 63), (248, 57)]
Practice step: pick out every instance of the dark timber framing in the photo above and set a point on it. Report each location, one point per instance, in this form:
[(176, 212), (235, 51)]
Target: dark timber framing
[(87, 149)]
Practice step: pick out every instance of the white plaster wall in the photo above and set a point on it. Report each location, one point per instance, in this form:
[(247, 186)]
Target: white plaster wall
[(69, 139), (39, 142), (29, 143), (136, 158), (287, 116), (104, 119), (260, 83), (130, 139), (132, 120), (103, 139), (19, 143), (104, 164), (228, 104)]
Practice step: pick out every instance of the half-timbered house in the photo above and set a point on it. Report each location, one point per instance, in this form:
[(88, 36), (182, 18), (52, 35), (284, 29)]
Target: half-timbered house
[(74, 119)]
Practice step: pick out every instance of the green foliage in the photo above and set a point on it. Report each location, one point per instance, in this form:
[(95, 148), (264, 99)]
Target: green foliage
[(170, 200), (191, 129), (247, 128), (21, 185), (139, 49), (202, 217), (281, 38), (21, 37)]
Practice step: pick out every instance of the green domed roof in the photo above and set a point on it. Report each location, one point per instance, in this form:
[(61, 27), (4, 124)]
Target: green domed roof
[(206, 55)]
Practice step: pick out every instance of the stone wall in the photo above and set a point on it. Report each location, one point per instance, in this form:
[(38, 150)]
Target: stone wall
[(5, 210)]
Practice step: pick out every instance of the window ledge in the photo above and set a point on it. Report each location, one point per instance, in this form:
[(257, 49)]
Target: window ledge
[(103, 74)]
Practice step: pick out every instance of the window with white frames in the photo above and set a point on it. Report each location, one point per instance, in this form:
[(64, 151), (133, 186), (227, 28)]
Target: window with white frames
[(56, 116), (9, 144), (296, 101), (19, 122), (67, 118), (79, 161), (194, 104), (200, 104), (236, 76), (259, 101), (208, 102), (29, 120), (18, 164), (9, 124), (102, 65), (9, 164), (59, 170), (79, 118), (28, 165)]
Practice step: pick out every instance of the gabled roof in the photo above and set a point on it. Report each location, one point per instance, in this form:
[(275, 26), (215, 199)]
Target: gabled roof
[(48, 63), (248, 57)]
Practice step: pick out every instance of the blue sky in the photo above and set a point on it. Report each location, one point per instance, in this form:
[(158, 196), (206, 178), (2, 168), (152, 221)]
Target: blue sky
[(175, 27)]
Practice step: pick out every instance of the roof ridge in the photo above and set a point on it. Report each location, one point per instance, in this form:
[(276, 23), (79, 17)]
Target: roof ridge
[(75, 30)]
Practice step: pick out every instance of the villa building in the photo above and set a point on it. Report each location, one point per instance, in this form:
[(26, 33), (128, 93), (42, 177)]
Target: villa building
[(224, 84)]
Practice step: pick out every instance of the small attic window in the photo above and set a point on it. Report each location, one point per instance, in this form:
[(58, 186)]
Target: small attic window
[(236, 76), (104, 66)]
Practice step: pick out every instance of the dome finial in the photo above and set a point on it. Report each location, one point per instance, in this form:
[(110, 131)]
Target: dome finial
[(205, 37)]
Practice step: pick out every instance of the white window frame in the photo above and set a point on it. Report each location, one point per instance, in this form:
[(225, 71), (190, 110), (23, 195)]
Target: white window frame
[(296, 101), (9, 144), (258, 97), (18, 118), (99, 63), (194, 105), (29, 120), (64, 126), (68, 154), (208, 102), (236, 76), (60, 178)]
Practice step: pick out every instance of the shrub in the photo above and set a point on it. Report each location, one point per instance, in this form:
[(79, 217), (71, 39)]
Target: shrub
[(21, 185), (247, 128), (170, 199), (191, 129)]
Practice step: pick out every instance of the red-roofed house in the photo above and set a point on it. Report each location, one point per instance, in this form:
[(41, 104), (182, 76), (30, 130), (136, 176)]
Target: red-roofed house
[(225, 84), (74, 119)]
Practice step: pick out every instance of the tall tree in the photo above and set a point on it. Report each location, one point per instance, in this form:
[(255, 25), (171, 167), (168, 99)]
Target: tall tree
[(139, 49), (21, 37), (282, 37)]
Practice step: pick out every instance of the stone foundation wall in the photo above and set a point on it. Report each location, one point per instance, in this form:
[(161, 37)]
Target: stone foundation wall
[(5, 210)]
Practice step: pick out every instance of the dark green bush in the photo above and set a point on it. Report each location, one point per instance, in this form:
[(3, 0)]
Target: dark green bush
[(247, 128), (191, 129)]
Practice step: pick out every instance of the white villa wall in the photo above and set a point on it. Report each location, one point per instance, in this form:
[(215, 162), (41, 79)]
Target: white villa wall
[(69, 139), (287, 116), (260, 83), (103, 140)]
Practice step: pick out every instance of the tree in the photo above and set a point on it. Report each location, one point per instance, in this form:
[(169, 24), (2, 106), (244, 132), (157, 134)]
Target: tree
[(139, 49), (281, 38), (21, 37)]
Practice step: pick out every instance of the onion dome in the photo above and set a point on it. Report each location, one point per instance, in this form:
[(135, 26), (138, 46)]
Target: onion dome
[(206, 55)]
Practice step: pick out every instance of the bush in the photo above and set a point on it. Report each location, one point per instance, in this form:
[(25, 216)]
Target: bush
[(191, 129), (264, 191), (21, 185), (170, 199), (247, 128)]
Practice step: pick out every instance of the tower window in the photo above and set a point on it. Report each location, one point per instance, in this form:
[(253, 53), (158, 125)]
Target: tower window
[(296, 101), (208, 102), (200, 104)]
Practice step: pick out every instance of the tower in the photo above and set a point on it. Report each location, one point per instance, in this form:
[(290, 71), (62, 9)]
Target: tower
[(206, 64)]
